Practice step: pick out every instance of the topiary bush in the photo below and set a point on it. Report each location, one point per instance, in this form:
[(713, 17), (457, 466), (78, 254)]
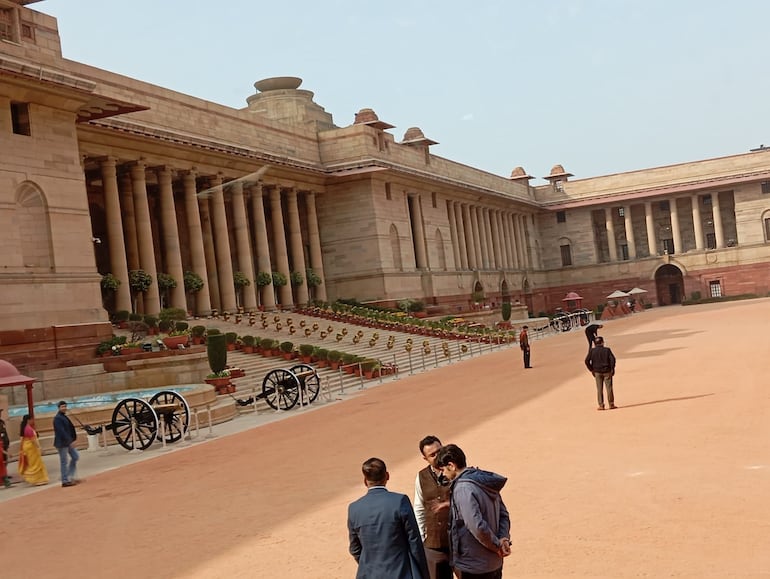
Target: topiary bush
[(216, 350)]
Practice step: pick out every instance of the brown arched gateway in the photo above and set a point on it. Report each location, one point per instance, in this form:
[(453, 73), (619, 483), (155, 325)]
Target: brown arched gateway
[(669, 284)]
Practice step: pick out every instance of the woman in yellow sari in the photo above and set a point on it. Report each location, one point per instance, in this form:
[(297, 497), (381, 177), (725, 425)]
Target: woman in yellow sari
[(31, 466)]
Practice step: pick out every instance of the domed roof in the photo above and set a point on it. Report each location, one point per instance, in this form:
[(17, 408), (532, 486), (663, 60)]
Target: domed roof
[(369, 117), (278, 83), (519, 173), (10, 376), (415, 135), (558, 171)]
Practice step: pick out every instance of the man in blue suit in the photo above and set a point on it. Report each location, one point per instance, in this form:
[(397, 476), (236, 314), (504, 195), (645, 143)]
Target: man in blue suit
[(384, 536)]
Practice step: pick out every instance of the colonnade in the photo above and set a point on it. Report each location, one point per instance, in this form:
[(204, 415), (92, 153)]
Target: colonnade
[(210, 255), (675, 224), (485, 238)]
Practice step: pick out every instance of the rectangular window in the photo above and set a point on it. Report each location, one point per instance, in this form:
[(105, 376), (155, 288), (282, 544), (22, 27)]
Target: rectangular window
[(7, 25), (707, 200), (561, 217), (624, 252), (663, 205), (27, 31), (566, 255), (715, 287), (20, 118), (387, 191), (621, 211), (765, 187), (559, 186), (711, 241), (668, 246), (433, 199), (767, 229)]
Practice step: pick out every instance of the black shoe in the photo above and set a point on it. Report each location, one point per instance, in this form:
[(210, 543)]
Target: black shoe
[(69, 483)]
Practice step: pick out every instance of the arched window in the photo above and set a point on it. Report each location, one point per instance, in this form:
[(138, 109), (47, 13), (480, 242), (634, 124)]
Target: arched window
[(565, 247), (33, 227), (766, 225), (440, 250), (395, 246)]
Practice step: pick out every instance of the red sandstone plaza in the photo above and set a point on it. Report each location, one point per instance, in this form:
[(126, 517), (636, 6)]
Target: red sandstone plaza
[(673, 483)]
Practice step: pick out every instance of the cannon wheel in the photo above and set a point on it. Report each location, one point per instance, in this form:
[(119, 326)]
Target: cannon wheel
[(280, 389), (309, 382), (178, 422), (139, 413)]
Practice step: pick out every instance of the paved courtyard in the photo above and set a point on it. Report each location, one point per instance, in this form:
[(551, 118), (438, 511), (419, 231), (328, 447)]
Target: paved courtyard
[(675, 482)]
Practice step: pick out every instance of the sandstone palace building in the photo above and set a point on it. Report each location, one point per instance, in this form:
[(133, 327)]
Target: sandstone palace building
[(103, 174)]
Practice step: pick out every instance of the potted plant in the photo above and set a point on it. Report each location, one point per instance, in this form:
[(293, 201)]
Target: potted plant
[(178, 336), (371, 367), (334, 357), (216, 351), (198, 334), (139, 281), (166, 283), (152, 325), (306, 352), (322, 357), (287, 350), (193, 283), (230, 339), (120, 318), (240, 281), (248, 344)]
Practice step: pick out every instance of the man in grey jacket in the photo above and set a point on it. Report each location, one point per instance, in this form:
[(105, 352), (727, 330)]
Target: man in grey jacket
[(479, 525)]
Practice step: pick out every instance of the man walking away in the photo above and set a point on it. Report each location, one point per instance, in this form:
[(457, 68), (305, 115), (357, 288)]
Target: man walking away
[(600, 361), (384, 537), (431, 508), (479, 525)]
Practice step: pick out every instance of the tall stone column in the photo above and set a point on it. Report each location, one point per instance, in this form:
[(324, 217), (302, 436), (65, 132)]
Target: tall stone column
[(279, 243), (222, 246), (512, 245), (171, 252), (295, 239), (652, 240), (537, 262), (503, 239), (197, 255), (117, 247), (478, 248), (612, 243), (529, 244), (461, 235), (212, 275), (469, 237), (420, 256), (496, 241), (676, 232), (151, 297), (719, 231), (129, 220), (494, 256), (629, 223), (453, 233), (484, 238), (696, 221), (262, 244), (245, 259), (522, 241), (316, 257)]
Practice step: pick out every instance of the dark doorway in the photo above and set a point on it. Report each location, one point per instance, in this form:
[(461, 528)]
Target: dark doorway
[(669, 284)]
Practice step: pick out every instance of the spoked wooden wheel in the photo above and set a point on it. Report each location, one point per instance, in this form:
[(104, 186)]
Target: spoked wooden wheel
[(175, 411), (308, 380), (280, 389), (137, 415)]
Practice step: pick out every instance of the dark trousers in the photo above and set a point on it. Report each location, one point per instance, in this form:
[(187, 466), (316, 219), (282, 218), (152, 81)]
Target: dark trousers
[(526, 357), (438, 564), (604, 380), (490, 575)]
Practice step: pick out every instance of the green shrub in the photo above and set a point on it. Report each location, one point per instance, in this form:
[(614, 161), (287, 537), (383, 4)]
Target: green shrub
[(164, 326), (334, 356), (287, 347), (279, 279), (264, 278), (151, 321), (249, 340), (506, 311), (216, 350), (193, 283), (173, 314), (110, 282), (321, 353), (231, 337), (198, 331), (134, 317), (213, 331), (121, 315), (306, 349), (266, 343), (181, 326)]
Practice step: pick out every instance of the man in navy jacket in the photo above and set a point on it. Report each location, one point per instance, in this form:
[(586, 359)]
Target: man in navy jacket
[(64, 437), (384, 536)]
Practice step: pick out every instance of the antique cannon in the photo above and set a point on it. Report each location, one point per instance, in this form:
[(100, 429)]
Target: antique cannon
[(136, 423), (282, 387)]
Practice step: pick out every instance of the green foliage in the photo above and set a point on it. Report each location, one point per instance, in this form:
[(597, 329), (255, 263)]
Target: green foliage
[(334, 356), (193, 283), (216, 350), (213, 331), (297, 278), (198, 331), (279, 279), (165, 325), (417, 306), (249, 340), (181, 326), (139, 280), (110, 282), (306, 349), (151, 321), (266, 343), (240, 280), (506, 311), (134, 317), (121, 315), (313, 279), (286, 347), (138, 330), (166, 282), (173, 314), (264, 278), (322, 354), (231, 337)]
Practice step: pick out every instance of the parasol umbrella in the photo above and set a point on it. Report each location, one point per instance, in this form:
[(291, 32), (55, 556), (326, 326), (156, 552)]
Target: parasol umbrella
[(617, 294), (637, 290)]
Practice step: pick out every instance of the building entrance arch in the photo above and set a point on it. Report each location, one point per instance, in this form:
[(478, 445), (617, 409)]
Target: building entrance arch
[(669, 285)]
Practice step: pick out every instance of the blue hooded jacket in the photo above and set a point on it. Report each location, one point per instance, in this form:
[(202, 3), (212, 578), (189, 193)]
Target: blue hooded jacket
[(478, 521)]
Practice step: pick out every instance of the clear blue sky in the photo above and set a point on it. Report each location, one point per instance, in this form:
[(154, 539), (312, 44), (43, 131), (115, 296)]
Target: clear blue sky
[(600, 86)]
